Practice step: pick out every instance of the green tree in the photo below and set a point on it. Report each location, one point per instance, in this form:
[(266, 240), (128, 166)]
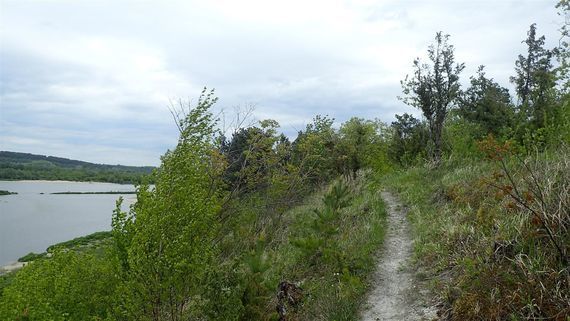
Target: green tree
[(433, 88), (563, 50), (409, 140), (169, 248), (535, 82), (358, 141), (314, 150), (67, 286), (487, 104)]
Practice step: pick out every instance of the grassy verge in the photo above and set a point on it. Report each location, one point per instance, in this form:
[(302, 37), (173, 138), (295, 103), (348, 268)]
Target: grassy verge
[(325, 246), (94, 240), (493, 257)]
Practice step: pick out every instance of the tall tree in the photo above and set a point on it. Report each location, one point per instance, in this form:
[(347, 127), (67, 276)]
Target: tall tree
[(313, 149), (535, 80), (563, 72), (434, 88)]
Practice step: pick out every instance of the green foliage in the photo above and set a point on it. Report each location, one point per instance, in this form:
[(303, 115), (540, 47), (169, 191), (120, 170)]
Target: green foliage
[(68, 286), (563, 51), (23, 166), (31, 257), (166, 241), (535, 82), (360, 145), (77, 242), (409, 140), (319, 241), (488, 105), (496, 256), (313, 148), (434, 89), (258, 289), (461, 137)]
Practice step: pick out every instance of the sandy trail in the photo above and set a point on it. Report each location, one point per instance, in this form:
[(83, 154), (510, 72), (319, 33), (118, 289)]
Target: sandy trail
[(394, 294)]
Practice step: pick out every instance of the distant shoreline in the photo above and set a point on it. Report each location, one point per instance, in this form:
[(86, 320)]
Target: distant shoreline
[(60, 181), (83, 193)]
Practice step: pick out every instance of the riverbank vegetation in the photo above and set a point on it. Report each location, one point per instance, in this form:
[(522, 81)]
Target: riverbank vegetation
[(24, 166), (3, 192), (249, 225), (78, 244)]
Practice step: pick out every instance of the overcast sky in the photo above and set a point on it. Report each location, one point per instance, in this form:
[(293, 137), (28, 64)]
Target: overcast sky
[(91, 80)]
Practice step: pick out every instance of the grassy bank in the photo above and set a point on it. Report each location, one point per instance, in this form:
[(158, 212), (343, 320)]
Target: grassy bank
[(493, 254), (93, 240), (325, 247)]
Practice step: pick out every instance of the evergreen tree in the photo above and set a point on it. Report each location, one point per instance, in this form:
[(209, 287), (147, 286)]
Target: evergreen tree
[(535, 81)]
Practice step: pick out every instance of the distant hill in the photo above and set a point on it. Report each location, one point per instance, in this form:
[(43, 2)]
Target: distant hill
[(25, 166)]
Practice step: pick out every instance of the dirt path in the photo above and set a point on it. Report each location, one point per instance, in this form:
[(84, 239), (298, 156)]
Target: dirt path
[(394, 294)]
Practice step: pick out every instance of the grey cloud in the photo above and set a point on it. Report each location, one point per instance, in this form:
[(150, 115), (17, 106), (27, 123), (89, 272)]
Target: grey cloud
[(92, 80)]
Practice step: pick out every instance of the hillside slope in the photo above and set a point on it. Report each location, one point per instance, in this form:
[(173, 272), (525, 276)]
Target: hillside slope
[(25, 166)]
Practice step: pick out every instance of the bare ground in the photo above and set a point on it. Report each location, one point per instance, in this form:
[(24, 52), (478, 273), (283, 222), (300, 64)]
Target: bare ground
[(395, 292)]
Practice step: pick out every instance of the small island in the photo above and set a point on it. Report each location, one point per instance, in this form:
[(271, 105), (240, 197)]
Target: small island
[(3, 192)]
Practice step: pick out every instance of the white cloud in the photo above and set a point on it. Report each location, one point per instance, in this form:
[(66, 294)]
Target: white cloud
[(87, 69)]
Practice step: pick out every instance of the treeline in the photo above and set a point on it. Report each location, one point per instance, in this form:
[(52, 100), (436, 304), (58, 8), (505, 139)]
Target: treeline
[(24, 166), (537, 117)]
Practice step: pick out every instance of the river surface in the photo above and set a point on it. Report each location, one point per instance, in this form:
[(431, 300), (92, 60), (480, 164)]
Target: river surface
[(31, 221)]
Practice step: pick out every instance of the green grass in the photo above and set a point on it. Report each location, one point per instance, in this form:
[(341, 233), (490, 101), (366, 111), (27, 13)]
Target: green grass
[(95, 241), (91, 240), (333, 286), (487, 258)]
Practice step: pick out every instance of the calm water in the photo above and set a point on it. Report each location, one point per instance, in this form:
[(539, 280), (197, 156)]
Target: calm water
[(30, 221)]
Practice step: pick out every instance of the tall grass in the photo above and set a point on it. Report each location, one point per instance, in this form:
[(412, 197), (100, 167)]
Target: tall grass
[(494, 234), (328, 257)]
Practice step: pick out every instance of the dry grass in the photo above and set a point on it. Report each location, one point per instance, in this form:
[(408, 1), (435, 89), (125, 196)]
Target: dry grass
[(498, 232)]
